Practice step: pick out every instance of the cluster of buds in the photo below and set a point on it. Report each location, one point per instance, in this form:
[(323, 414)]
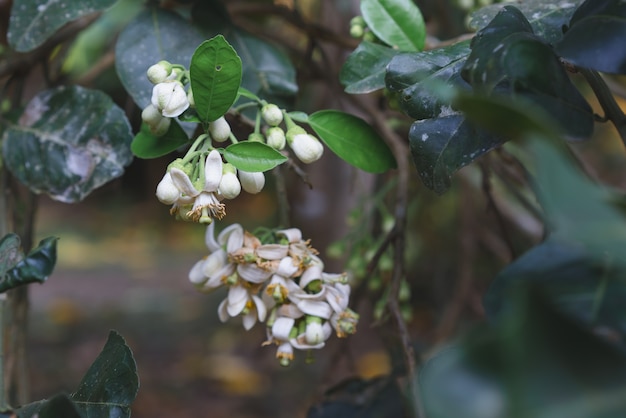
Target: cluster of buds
[(169, 98), (280, 283), (196, 191), (305, 146)]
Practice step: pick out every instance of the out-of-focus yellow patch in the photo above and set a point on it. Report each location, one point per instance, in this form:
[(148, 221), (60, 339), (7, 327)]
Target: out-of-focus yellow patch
[(65, 312), (236, 376), (373, 364)]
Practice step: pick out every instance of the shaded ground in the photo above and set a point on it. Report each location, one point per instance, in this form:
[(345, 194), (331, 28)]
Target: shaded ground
[(125, 268)]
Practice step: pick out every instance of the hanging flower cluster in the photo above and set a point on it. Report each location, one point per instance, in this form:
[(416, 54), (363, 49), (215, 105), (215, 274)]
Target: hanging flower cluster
[(281, 283)]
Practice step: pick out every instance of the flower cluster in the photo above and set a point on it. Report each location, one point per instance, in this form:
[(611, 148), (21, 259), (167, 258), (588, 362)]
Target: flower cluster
[(281, 283), (196, 194)]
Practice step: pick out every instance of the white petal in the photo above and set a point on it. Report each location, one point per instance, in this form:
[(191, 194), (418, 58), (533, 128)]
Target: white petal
[(215, 279), (282, 328), (212, 171), (232, 236), (249, 320), (209, 238), (261, 309), (222, 312), (314, 333), (182, 181), (237, 299), (290, 310), (196, 276), (300, 344), (315, 308), (214, 262), (253, 273), (166, 190), (336, 299), (313, 272), (292, 234), (287, 267), (272, 251)]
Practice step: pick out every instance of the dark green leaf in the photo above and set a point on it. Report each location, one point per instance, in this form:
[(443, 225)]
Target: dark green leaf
[(59, 406), (153, 36), (353, 140), (36, 267), (441, 146), (547, 18), (215, 73), (69, 141), (583, 285), (596, 36), (253, 156), (364, 70), (34, 21), (534, 362), (508, 59), (10, 252), (379, 397), (398, 23), (146, 145), (111, 383)]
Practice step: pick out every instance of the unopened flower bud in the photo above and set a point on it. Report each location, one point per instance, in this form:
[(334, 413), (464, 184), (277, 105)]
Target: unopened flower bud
[(229, 184), (275, 138), (219, 129), (306, 147), (170, 98), (252, 182), (357, 31), (272, 115), (151, 115), (159, 72), (314, 333), (162, 127), (166, 191)]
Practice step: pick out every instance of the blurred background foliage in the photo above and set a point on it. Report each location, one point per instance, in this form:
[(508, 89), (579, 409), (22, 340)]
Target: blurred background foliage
[(123, 261)]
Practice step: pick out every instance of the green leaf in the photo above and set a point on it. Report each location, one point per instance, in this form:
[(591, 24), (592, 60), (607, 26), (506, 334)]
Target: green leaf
[(36, 267), (353, 140), (364, 70), (32, 22), (153, 36), (70, 141), (546, 18), (146, 145), (111, 383), (58, 406), (507, 59), (215, 73), (535, 362), (253, 156), (299, 116), (441, 146), (398, 23), (412, 75), (596, 36), (10, 252)]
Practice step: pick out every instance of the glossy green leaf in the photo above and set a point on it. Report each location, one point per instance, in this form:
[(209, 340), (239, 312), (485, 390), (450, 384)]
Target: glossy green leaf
[(32, 22), (146, 145), (353, 140), (365, 68), (35, 267), (58, 406), (547, 18), (398, 23), (215, 73), (508, 59), (110, 385), (69, 141), (595, 38), (253, 156), (10, 252), (534, 362), (153, 36), (443, 145), (413, 75)]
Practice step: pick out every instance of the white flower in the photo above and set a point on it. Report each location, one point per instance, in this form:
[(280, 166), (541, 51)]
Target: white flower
[(159, 72), (241, 301), (272, 115), (206, 204), (229, 185), (219, 129), (314, 333), (170, 98), (252, 182), (306, 147), (276, 138)]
